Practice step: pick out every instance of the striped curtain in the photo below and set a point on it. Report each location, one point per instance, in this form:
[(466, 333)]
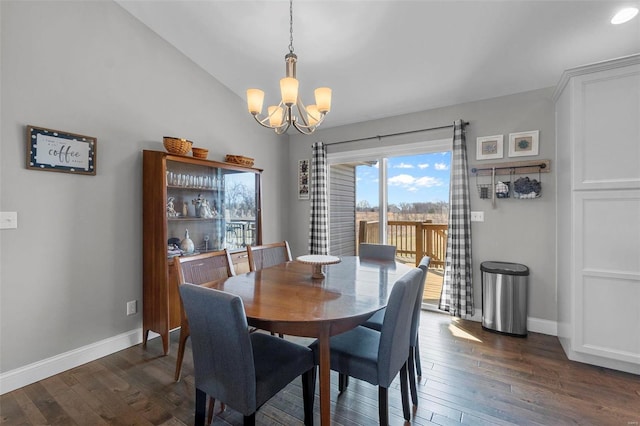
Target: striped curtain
[(457, 289), (318, 222)]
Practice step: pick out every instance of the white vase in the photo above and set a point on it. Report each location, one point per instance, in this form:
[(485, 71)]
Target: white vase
[(186, 245)]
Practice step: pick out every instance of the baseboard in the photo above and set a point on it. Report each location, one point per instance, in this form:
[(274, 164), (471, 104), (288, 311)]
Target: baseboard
[(23, 376), (538, 325)]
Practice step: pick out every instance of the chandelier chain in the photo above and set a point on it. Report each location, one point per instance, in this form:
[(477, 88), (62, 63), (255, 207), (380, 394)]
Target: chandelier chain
[(290, 26)]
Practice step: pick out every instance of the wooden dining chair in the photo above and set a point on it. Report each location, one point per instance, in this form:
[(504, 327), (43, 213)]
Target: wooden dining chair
[(241, 369), (266, 255), (198, 269), (377, 251), (376, 321), (378, 357)]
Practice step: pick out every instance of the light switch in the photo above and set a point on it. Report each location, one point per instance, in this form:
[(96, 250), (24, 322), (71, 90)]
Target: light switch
[(8, 220), (477, 216)]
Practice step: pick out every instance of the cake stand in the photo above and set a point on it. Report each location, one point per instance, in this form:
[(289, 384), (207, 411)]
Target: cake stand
[(317, 261)]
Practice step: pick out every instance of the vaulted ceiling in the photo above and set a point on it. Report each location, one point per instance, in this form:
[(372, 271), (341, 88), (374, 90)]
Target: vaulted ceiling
[(385, 58)]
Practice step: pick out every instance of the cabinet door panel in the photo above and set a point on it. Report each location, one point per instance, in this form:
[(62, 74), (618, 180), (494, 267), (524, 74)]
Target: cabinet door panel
[(607, 143)]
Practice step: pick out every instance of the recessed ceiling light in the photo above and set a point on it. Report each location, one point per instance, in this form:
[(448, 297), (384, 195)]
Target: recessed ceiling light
[(624, 15)]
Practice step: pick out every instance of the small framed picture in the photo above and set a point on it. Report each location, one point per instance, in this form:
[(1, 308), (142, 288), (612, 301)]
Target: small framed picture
[(523, 144), (58, 151), (303, 179), (489, 147)]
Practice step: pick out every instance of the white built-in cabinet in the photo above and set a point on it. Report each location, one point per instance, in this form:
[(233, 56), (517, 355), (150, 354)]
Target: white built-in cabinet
[(598, 213)]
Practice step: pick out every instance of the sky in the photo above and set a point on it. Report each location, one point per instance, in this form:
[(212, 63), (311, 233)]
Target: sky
[(415, 178)]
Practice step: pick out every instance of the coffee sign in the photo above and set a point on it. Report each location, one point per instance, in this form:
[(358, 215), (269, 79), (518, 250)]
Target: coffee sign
[(54, 150)]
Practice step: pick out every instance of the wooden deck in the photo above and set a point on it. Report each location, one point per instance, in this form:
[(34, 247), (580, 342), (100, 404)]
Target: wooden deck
[(433, 286)]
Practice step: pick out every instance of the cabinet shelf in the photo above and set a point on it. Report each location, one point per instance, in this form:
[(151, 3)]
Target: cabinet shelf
[(193, 219), (192, 188)]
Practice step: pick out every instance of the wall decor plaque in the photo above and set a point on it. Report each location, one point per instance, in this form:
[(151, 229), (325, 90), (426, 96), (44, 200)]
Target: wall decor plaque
[(58, 151)]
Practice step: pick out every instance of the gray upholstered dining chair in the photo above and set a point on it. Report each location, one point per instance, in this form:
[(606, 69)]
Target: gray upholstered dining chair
[(377, 251), (376, 321), (378, 357), (198, 269), (241, 369), (266, 255)]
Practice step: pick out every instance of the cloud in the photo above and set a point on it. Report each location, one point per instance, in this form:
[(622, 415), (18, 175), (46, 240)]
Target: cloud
[(411, 183), (423, 165), (403, 166), (442, 166), (401, 180)]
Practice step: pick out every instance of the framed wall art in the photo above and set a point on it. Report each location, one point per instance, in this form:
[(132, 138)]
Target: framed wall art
[(303, 179), (489, 147), (58, 151), (523, 144)]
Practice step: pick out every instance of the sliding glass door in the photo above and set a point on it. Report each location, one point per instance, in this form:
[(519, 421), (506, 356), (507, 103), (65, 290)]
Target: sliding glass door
[(399, 199)]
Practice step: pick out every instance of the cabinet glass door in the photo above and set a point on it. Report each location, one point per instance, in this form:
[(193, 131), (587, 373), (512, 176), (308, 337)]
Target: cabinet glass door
[(240, 209), (195, 206)]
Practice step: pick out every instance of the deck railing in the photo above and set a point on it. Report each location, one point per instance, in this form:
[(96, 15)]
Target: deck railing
[(413, 240)]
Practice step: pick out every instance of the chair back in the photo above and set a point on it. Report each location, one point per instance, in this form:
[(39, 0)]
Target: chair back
[(240, 261), (415, 320), (267, 255), (396, 327), (203, 268), (377, 251), (222, 351)]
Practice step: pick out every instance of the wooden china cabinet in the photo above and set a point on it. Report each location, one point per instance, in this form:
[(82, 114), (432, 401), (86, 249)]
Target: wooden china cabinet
[(218, 204)]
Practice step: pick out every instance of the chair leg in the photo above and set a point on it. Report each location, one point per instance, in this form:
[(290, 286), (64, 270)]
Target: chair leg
[(417, 357), (403, 392), (412, 378), (308, 394), (250, 420), (184, 335), (383, 406), (201, 402), (343, 382), (212, 405)]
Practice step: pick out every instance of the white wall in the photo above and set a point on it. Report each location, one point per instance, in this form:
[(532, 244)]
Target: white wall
[(76, 258), (521, 231)]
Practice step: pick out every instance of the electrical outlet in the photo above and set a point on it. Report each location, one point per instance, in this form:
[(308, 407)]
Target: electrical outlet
[(132, 307), (477, 216)]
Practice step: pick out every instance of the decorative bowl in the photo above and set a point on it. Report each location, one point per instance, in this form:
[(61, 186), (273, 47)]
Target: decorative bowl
[(200, 152), (177, 146), (240, 160)]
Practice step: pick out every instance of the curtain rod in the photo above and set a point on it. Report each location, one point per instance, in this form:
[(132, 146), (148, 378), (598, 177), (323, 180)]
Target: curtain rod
[(541, 166), (464, 123)]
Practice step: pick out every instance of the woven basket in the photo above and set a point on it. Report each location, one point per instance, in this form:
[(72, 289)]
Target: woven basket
[(177, 145), (200, 152), (239, 159)]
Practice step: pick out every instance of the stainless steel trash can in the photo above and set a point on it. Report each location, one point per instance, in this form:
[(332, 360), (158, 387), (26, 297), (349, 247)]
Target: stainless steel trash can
[(504, 297)]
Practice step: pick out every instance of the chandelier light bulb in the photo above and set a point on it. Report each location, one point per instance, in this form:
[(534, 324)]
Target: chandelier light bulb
[(289, 90), (323, 99), (275, 116), (313, 115), (255, 99)]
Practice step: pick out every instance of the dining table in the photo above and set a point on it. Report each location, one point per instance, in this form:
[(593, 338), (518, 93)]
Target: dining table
[(287, 299)]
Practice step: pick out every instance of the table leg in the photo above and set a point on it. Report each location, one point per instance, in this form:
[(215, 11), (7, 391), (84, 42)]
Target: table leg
[(325, 378)]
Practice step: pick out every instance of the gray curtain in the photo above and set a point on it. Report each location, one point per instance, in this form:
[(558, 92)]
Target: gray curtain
[(457, 289), (318, 221)]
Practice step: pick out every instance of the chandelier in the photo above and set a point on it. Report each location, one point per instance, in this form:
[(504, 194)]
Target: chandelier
[(282, 116)]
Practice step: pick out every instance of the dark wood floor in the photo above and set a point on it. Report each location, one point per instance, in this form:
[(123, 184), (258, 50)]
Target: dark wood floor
[(470, 376)]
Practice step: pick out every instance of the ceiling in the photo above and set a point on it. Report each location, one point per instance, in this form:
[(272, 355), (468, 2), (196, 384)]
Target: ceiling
[(386, 58)]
